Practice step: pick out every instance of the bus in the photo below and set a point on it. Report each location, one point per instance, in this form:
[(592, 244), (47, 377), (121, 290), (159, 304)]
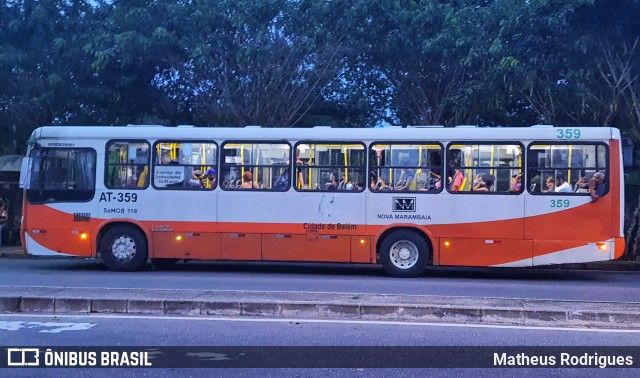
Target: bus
[(403, 197)]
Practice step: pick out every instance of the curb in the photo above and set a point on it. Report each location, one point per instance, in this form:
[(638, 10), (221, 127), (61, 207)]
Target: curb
[(288, 305)]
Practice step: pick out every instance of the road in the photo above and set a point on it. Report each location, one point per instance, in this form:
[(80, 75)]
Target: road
[(474, 282), (47, 330)]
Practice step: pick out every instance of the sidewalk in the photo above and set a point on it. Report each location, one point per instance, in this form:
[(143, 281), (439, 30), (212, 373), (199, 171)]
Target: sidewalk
[(311, 305), (14, 251)]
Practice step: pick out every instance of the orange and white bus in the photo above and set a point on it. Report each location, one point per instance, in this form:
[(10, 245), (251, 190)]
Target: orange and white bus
[(403, 197)]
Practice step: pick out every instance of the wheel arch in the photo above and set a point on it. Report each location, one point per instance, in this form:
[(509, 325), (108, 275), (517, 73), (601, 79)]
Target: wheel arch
[(421, 231)]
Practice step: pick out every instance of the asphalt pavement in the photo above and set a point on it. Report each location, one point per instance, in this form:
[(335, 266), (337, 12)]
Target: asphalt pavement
[(316, 305)]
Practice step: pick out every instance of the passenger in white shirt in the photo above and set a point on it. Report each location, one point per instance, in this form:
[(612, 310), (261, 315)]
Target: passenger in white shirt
[(562, 186)]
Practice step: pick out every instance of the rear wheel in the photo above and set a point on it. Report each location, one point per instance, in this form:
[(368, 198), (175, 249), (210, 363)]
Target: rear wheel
[(404, 253), (124, 248)]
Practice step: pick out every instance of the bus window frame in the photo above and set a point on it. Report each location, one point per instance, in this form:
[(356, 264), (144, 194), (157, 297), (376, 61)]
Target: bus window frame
[(95, 173), (522, 167), (216, 160), (255, 141), (294, 181), (106, 163), (370, 167), (607, 167)]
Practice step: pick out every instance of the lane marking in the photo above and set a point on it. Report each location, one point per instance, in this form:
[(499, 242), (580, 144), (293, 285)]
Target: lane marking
[(49, 327), (329, 321)]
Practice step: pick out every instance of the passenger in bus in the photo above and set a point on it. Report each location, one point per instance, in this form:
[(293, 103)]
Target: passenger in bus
[(406, 178), (247, 181), (456, 178), (332, 184), (477, 179), (597, 186), (582, 185), (435, 180), (535, 186), (516, 183), (489, 180), (373, 185), (422, 179), (299, 173), (195, 181), (478, 184), (562, 186), (282, 182), (551, 185), (211, 176), (381, 186), (166, 160), (484, 183)]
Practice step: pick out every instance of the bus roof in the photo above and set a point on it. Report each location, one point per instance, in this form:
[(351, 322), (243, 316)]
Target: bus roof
[(471, 133)]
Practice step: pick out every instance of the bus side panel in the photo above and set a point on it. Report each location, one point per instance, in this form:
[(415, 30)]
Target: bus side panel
[(564, 251), (485, 252), (186, 245), (484, 229), (617, 189), (361, 250), (51, 229), (572, 224), (566, 229), (167, 245), (287, 247), (203, 245), (293, 226), (240, 246)]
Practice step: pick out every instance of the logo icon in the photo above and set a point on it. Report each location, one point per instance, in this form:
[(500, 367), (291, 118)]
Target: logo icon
[(404, 204), (23, 357)]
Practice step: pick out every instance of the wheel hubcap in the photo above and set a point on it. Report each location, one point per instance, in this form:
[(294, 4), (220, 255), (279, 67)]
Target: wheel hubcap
[(404, 254), (123, 248)]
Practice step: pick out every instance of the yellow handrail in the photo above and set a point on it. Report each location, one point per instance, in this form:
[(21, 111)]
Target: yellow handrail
[(346, 163), (569, 165)]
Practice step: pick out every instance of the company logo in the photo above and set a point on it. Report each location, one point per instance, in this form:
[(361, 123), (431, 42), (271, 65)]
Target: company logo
[(404, 203), (23, 357)]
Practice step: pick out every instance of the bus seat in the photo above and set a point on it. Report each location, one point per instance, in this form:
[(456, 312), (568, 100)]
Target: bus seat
[(413, 182), (142, 180)]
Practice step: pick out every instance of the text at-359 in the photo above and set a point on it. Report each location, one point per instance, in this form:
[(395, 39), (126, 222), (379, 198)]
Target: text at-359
[(118, 197)]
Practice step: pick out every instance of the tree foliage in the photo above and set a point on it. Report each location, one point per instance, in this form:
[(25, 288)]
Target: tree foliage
[(304, 62)]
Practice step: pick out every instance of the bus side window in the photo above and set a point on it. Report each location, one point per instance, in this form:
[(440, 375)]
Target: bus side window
[(125, 162), (249, 166), (406, 167), (330, 167), (564, 168)]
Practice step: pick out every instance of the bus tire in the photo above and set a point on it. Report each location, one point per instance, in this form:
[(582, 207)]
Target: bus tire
[(163, 264), (404, 253), (123, 249)]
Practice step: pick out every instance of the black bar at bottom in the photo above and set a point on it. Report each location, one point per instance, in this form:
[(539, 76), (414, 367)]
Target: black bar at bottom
[(320, 357)]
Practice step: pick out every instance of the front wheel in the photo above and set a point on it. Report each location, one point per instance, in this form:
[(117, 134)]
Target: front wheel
[(404, 253), (124, 248)]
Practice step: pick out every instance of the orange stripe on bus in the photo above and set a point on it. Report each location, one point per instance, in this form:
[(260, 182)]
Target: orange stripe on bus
[(512, 247)]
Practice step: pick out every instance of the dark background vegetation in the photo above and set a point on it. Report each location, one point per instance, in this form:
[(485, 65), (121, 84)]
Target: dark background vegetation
[(297, 63)]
